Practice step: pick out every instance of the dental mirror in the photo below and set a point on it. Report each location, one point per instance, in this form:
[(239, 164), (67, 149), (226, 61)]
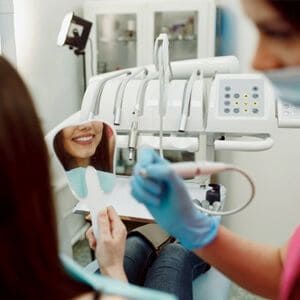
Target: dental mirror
[(84, 145)]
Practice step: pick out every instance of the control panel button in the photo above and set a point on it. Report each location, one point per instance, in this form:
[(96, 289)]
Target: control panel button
[(242, 98)]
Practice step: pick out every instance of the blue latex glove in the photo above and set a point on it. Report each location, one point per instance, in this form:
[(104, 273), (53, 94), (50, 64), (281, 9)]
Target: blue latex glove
[(167, 199)]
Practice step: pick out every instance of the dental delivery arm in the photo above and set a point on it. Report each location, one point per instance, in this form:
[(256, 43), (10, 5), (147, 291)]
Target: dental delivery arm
[(253, 266)]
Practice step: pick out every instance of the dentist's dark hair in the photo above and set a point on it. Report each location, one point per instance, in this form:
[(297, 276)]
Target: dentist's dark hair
[(289, 10), (29, 263)]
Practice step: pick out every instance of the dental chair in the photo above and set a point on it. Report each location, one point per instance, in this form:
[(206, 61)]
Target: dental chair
[(137, 100), (211, 285)]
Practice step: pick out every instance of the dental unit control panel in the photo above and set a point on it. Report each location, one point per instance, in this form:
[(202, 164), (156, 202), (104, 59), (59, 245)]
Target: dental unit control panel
[(244, 98), (240, 98), (242, 105)]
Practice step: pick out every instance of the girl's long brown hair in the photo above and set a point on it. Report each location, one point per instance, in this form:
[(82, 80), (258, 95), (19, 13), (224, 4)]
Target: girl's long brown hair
[(29, 264), (101, 160)]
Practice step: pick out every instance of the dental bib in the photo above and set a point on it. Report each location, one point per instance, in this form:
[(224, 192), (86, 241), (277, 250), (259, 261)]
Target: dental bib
[(77, 181)]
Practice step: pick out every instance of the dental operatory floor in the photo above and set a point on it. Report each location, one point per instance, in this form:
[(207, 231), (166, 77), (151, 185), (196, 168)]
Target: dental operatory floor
[(82, 255)]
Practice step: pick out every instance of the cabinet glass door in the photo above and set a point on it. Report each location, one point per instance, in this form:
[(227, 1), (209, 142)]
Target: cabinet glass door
[(116, 42), (181, 28)]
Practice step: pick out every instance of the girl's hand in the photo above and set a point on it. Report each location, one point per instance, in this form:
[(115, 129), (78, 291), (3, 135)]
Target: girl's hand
[(109, 246)]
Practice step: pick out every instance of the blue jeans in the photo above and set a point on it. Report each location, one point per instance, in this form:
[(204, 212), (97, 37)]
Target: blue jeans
[(172, 270)]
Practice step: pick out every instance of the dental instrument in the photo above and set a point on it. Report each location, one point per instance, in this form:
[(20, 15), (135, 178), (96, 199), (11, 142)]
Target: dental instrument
[(92, 97), (188, 170), (121, 91), (186, 103), (138, 108), (163, 67), (132, 140)]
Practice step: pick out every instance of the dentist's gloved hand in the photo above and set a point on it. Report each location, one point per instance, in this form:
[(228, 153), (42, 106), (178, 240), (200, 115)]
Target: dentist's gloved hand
[(166, 197)]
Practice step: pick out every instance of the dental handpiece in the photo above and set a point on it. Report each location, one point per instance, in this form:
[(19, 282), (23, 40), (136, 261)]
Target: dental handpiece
[(192, 169), (188, 170), (132, 139)]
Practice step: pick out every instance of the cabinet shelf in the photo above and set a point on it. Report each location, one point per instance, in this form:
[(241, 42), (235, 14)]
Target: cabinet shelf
[(124, 33)]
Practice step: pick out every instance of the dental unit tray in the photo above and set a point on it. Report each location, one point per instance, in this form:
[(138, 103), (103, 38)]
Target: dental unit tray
[(211, 197), (204, 97), (186, 93)]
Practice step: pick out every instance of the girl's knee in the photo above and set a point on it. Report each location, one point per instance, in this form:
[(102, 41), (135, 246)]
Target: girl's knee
[(174, 249)]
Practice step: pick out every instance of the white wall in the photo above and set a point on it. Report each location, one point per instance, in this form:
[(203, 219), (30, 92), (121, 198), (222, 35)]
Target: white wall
[(53, 73), (7, 38), (276, 208)]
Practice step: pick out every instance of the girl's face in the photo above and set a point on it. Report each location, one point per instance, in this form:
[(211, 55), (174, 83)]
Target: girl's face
[(81, 141), (279, 42)]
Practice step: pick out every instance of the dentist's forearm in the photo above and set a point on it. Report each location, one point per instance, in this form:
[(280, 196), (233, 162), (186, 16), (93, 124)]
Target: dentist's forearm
[(253, 266)]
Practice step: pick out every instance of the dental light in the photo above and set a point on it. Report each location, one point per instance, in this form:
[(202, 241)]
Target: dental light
[(74, 32)]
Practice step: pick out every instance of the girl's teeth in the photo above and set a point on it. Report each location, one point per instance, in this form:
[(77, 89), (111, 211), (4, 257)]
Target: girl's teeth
[(84, 139)]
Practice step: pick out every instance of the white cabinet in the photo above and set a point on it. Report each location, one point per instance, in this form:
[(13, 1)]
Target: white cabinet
[(124, 32)]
